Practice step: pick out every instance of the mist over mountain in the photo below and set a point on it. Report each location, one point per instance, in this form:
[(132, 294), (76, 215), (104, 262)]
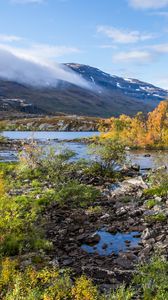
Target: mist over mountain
[(88, 91), (34, 72)]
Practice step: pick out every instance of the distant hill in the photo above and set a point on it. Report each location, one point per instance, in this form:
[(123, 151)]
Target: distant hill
[(109, 96)]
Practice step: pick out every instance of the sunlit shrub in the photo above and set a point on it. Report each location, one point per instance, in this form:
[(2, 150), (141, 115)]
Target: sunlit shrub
[(108, 155), (84, 290)]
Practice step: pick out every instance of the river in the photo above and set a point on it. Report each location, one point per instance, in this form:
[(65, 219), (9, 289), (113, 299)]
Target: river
[(146, 159)]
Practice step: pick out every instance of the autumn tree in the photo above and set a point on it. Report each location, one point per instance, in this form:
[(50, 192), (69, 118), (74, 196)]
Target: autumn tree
[(141, 130)]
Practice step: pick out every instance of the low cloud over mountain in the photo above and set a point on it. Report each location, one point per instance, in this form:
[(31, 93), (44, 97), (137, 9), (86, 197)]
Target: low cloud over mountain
[(36, 73)]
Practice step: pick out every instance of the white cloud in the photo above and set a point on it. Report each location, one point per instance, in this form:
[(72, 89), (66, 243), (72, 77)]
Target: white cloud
[(40, 52), (122, 36), (143, 55), (133, 56), (159, 48), (4, 38), (33, 66), (148, 4), (108, 47)]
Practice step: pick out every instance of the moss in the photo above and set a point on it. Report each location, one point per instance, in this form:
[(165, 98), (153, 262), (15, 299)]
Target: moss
[(151, 203), (160, 217)]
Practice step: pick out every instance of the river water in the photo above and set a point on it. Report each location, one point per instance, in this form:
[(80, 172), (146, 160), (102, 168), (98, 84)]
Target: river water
[(141, 157)]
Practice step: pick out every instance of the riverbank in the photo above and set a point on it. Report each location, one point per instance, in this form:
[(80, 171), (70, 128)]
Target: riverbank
[(71, 215), (57, 123)]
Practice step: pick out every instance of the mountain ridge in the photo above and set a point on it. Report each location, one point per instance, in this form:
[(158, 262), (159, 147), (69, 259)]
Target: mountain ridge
[(109, 95)]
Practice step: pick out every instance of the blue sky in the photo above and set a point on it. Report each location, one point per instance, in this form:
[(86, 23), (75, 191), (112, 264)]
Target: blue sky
[(127, 38)]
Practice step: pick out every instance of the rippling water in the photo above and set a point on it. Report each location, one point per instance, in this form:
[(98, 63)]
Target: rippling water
[(157, 158)]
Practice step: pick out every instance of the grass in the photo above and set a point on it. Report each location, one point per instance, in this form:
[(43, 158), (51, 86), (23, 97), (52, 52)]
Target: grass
[(160, 217), (151, 203)]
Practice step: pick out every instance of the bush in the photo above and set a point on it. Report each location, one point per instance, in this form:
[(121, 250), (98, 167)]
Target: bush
[(17, 226), (31, 284), (153, 278), (158, 181), (158, 191), (84, 289), (121, 293), (39, 165), (108, 154)]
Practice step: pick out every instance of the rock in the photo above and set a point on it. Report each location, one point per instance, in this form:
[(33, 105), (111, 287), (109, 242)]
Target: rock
[(104, 247), (54, 262), (164, 167), (145, 252), (93, 239), (159, 199), (151, 241), (138, 182), (121, 211), (146, 234), (161, 238), (127, 242), (67, 262), (135, 167), (106, 216), (121, 262), (127, 187), (112, 230), (129, 256), (137, 236)]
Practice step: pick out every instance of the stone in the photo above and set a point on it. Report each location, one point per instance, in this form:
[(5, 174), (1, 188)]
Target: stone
[(159, 199), (135, 167), (106, 216), (104, 247), (146, 234), (93, 239)]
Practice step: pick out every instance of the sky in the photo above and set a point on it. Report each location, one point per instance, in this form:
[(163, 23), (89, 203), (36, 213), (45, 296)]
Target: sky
[(127, 38)]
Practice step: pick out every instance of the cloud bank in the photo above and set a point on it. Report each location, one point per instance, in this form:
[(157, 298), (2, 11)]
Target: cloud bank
[(123, 36), (28, 71), (148, 4), (132, 56)]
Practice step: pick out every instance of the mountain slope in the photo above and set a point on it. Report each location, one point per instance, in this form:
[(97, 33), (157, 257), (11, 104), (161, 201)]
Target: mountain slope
[(109, 95)]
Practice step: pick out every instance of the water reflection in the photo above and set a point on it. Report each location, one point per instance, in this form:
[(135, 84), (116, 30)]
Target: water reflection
[(146, 159), (113, 243)]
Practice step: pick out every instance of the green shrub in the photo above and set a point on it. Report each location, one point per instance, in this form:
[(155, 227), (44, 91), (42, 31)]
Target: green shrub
[(160, 217), (121, 293), (108, 154), (94, 210), (75, 194), (151, 203), (158, 191), (152, 278)]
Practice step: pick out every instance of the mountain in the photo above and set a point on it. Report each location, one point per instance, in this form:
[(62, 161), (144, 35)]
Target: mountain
[(109, 95)]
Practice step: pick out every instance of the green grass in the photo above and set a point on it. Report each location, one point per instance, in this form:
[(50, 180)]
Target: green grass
[(151, 203)]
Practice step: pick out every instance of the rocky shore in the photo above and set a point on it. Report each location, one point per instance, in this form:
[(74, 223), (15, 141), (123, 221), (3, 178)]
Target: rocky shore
[(122, 209), (56, 123)]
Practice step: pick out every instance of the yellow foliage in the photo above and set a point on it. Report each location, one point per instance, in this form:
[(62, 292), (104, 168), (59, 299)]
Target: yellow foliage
[(8, 272), (84, 290), (2, 185), (141, 131)]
